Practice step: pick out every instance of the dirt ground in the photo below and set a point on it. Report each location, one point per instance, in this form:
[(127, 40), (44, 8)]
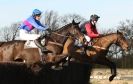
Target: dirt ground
[(100, 76), (113, 82)]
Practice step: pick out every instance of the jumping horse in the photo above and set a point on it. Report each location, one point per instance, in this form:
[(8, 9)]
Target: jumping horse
[(100, 48), (14, 50), (8, 50)]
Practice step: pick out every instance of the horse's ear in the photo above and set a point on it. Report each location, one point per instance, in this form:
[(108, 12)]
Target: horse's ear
[(118, 31), (78, 23), (73, 21)]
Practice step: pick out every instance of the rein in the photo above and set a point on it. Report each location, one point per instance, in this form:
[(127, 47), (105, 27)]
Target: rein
[(56, 43), (100, 47), (60, 34), (59, 44)]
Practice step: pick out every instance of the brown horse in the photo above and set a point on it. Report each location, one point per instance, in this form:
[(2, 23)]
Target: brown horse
[(8, 50), (55, 43), (98, 53)]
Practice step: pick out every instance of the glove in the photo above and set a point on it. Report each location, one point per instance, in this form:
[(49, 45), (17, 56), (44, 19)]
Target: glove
[(46, 26), (49, 30)]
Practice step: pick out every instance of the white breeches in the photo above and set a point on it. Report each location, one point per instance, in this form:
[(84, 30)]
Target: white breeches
[(24, 35), (87, 38)]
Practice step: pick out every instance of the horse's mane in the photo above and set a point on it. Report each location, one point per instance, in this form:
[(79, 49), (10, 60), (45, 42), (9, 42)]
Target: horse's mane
[(104, 36), (15, 41), (62, 28), (11, 42), (109, 34)]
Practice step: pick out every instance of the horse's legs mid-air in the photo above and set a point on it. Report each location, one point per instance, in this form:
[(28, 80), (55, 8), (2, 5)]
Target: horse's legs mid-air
[(106, 62)]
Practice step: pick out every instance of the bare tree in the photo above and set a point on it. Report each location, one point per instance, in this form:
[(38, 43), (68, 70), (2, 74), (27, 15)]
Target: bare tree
[(54, 21), (9, 33), (51, 18), (68, 19), (127, 28)]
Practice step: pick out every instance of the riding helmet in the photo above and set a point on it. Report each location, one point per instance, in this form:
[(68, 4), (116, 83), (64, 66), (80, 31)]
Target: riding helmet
[(36, 12), (94, 17)]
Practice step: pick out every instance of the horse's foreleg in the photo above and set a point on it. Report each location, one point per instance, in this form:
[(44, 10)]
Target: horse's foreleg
[(66, 62), (108, 63), (113, 70), (112, 66), (59, 61)]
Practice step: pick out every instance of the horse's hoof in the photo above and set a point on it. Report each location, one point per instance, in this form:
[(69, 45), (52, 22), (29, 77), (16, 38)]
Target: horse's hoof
[(111, 77), (66, 64), (56, 68), (43, 62)]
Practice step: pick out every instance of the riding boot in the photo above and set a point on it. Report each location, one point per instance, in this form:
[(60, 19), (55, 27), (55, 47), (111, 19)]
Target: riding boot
[(38, 44)]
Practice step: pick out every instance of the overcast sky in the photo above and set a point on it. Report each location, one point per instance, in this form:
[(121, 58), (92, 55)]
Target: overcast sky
[(110, 11)]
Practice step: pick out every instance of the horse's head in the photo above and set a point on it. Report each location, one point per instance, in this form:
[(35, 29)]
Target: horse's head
[(121, 41), (71, 29), (75, 31)]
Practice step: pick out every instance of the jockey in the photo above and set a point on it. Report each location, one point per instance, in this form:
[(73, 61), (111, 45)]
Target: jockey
[(90, 27), (29, 24)]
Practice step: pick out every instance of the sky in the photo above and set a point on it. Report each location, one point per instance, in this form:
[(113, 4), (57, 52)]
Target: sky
[(111, 12)]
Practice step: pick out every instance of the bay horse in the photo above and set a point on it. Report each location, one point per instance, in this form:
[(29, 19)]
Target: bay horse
[(100, 48), (55, 43), (8, 50)]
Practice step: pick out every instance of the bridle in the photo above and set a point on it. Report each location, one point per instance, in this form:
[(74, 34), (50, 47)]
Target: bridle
[(118, 40)]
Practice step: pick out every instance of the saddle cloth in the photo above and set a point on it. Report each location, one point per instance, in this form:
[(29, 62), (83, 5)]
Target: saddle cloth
[(30, 44)]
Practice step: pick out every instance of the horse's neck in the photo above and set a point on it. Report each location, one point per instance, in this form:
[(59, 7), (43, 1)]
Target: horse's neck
[(106, 41), (68, 45), (60, 36)]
